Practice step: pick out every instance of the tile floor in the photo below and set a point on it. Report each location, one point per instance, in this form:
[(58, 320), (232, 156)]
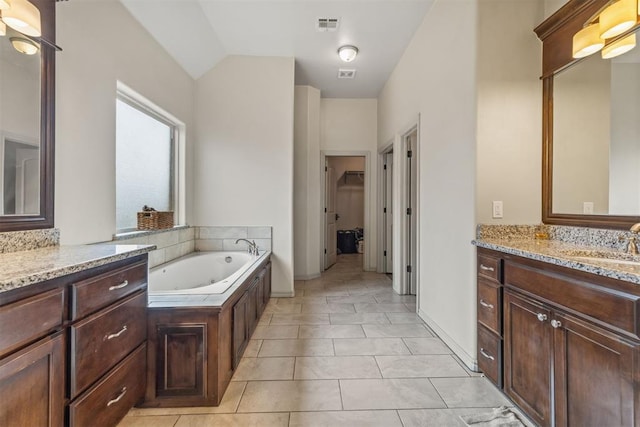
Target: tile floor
[(346, 350)]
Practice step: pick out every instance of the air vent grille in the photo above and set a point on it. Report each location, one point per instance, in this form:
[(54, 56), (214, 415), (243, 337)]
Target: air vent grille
[(327, 24), (346, 73)]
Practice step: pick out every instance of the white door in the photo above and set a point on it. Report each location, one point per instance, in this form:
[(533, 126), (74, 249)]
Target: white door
[(412, 214), (330, 243), (388, 211)]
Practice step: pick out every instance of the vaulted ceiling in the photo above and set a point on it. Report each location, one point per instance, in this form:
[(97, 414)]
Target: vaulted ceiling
[(200, 33)]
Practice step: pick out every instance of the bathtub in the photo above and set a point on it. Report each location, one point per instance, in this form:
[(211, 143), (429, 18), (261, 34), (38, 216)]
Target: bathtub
[(199, 273)]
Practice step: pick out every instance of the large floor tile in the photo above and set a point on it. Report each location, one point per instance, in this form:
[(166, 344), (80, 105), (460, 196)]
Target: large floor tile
[(300, 319), (234, 420), (469, 392), (397, 331), (358, 318), (325, 293), (336, 367), (150, 421), (405, 393), (380, 308), (345, 418), (434, 417), (352, 299), (393, 297), (400, 318), (301, 300), (273, 307), (369, 346), (328, 308), (426, 346), (252, 348), (264, 368), (438, 365), (331, 331), (293, 396), (265, 319), (306, 347), (270, 332)]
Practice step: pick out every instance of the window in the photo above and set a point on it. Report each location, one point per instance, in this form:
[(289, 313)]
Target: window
[(146, 161)]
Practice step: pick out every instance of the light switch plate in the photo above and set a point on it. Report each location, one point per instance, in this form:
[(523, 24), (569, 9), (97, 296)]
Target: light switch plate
[(497, 209), (587, 208)]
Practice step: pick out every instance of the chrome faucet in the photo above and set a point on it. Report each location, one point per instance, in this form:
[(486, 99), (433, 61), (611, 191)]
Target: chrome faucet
[(632, 245), (253, 248)]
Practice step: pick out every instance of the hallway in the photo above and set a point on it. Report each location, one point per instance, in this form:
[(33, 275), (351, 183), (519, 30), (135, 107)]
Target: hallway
[(345, 351)]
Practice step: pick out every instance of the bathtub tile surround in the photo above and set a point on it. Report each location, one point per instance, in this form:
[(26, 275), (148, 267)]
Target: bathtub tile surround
[(170, 243), (224, 238), (16, 241)]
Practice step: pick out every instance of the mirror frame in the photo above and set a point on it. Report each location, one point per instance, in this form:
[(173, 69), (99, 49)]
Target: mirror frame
[(47, 129), (556, 34)]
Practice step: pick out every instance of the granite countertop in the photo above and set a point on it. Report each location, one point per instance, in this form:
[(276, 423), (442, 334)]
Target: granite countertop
[(24, 268), (204, 300), (568, 255)]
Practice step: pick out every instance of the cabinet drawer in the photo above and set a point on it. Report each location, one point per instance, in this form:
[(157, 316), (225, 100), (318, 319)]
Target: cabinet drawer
[(490, 355), (110, 399), (27, 320), (92, 294), (490, 306), (489, 267), (101, 341)]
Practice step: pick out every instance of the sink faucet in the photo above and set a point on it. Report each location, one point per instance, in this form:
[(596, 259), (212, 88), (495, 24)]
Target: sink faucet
[(632, 245), (253, 248)]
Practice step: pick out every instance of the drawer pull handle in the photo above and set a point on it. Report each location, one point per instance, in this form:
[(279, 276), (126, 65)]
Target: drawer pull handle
[(485, 268), (486, 305), (556, 323), (116, 335), (485, 354), (120, 286), (541, 317), (117, 399)]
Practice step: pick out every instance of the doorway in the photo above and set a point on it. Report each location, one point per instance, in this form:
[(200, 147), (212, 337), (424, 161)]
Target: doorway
[(411, 189), (387, 211), (344, 201)]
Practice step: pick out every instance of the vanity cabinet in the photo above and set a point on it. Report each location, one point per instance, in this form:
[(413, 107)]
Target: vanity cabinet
[(73, 349), (571, 344), (489, 309), (194, 350)]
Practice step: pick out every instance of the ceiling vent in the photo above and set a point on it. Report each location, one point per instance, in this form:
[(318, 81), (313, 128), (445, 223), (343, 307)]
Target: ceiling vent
[(327, 24), (346, 73)]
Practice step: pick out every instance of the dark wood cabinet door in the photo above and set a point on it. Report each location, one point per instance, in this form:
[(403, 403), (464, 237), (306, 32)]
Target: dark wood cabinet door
[(32, 385), (240, 328), (595, 376), (180, 360), (528, 356), (266, 283), (252, 308)]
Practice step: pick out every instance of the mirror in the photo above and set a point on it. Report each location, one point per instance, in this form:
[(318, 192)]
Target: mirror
[(26, 128)]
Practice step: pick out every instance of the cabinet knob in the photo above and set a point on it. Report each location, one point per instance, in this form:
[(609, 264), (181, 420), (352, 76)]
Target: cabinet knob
[(486, 304), (542, 317), (556, 323)]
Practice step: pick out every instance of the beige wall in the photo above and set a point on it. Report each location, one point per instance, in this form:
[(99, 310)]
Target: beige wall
[(509, 136), (436, 79), (244, 152), (95, 57), (306, 183)]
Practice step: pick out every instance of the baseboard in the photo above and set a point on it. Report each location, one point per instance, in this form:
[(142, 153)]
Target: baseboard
[(470, 361), (307, 277), (289, 294)]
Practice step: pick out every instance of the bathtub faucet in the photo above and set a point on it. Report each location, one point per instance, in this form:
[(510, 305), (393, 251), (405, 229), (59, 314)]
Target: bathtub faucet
[(253, 248)]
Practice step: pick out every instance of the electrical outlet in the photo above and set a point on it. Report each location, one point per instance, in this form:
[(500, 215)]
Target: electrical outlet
[(497, 209), (587, 208)]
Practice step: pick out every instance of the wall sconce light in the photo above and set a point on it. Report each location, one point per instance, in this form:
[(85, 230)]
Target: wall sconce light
[(25, 46), (619, 47), (587, 41), (348, 53), (24, 17), (3, 29), (4, 4), (618, 17)]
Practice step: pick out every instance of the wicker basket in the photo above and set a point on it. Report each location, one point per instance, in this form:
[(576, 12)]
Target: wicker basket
[(155, 220)]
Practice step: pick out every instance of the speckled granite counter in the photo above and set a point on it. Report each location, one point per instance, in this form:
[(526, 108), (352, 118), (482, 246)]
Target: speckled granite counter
[(568, 255), (24, 268)]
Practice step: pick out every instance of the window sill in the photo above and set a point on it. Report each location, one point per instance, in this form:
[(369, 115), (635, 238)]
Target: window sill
[(141, 233)]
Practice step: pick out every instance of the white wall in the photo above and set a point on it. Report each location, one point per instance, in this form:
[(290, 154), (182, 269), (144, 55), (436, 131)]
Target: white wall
[(306, 184), (349, 126), (244, 152), (103, 44), (436, 78), (509, 153)]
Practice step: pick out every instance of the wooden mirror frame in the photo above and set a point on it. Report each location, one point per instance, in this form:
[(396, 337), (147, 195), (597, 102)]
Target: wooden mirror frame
[(556, 34), (47, 129)]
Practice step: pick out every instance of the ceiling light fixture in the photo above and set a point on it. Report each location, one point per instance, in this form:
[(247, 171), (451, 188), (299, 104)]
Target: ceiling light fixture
[(4, 4), (348, 53), (619, 47), (23, 16), (618, 17), (25, 46)]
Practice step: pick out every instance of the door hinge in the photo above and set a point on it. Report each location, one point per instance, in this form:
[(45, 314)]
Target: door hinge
[(326, 169), (408, 211), (408, 269), (325, 251), (410, 154), (384, 210), (385, 167), (325, 210), (385, 253)]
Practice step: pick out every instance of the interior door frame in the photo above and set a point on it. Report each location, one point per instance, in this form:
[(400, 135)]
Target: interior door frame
[(370, 243), (382, 232)]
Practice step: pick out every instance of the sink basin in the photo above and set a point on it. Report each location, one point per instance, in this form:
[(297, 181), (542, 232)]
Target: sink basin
[(607, 260), (603, 256)]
